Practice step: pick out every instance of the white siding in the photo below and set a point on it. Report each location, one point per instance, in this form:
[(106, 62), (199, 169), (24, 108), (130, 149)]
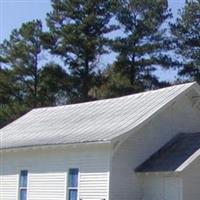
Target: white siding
[(8, 187), (161, 188), (191, 181), (181, 117), (47, 179), (46, 186), (93, 185)]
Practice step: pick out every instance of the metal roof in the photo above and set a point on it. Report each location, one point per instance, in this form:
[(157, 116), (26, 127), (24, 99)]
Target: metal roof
[(174, 156), (97, 121)]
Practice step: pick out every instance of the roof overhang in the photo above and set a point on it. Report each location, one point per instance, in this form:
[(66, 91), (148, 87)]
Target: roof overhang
[(57, 146), (174, 157)]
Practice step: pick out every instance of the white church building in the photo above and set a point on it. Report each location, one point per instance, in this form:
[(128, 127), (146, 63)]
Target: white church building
[(144, 146)]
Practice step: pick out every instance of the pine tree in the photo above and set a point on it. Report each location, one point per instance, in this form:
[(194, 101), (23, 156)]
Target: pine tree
[(24, 82), (54, 85), (77, 35), (11, 104), (142, 47), (113, 83), (186, 33), (21, 54)]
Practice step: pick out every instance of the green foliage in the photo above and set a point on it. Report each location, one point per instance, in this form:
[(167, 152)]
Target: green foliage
[(186, 32), (11, 104), (11, 111), (8, 88), (21, 54), (113, 83), (144, 43), (54, 85), (77, 35), (24, 84)]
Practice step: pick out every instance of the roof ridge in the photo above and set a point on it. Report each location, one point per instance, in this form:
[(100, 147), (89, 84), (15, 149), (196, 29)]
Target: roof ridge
[(114, 98)]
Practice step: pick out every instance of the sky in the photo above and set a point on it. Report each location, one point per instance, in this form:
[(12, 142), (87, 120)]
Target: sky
[(14, 12)]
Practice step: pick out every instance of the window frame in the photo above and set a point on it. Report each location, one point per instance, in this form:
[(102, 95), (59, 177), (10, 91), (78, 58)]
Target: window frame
[(69, 188), (23, 188)]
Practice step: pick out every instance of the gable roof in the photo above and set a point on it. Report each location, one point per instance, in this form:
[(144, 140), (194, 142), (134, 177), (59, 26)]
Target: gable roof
[(175, 156), (98, 121)]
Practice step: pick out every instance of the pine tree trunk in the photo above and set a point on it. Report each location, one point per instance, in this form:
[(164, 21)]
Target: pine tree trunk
[(86, 81), (35, 103), (132, 70)]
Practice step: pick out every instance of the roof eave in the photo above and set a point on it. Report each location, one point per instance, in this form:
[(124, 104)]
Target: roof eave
[(188, 162), (158, 173), (54, 146)]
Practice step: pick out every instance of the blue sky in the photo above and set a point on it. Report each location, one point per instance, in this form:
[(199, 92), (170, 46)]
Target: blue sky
[(14, 12)]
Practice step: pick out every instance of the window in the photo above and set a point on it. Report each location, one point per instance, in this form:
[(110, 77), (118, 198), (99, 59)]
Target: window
[(73, 184), (23, 185)]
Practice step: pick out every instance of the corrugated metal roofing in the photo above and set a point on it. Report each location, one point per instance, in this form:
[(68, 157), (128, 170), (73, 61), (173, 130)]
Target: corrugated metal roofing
[(96, 121), (173, 155)]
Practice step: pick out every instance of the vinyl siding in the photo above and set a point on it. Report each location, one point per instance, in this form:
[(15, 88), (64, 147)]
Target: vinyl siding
[(162, 188), (191, 181), (93, 185), (8, 187), (46, 186), (178, 118), (47, 178)]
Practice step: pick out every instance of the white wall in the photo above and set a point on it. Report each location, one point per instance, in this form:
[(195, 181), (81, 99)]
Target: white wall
[(48, 169), (191, 181), (124, 183), (161, 187)]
